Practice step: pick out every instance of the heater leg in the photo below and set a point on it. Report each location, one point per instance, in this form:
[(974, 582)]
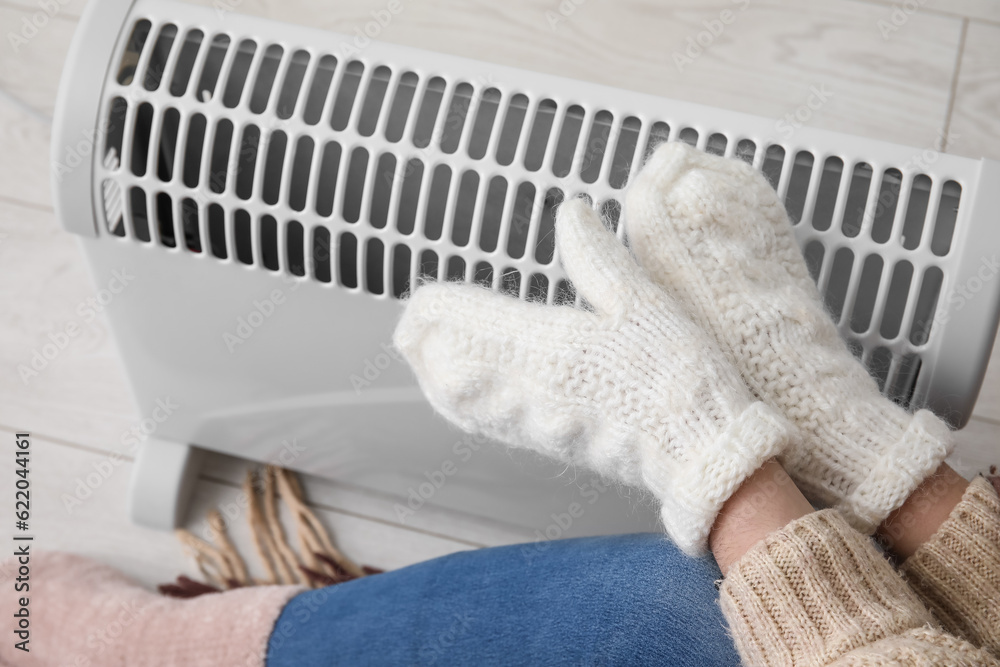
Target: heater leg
[(162, 482)]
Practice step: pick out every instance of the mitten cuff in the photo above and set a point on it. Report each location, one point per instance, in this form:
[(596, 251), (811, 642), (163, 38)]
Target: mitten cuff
[(693, 491), (898, 470)]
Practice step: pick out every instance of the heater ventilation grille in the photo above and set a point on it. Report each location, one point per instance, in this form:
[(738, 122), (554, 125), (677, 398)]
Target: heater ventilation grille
[(370, 176)]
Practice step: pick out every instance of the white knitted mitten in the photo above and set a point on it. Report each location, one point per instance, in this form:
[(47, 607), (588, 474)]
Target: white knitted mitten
[(635, 390), (714, 233)]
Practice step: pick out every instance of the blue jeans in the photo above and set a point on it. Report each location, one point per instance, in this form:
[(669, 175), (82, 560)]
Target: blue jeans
[(620, 600)]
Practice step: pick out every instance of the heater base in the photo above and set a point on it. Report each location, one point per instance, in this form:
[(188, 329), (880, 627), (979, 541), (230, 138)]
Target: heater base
[(162, 481)]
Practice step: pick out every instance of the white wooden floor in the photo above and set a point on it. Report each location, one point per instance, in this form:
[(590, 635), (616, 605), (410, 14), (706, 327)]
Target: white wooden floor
[(938, 74)]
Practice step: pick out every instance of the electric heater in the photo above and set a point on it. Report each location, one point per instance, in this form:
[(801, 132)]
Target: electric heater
[(275, 191)]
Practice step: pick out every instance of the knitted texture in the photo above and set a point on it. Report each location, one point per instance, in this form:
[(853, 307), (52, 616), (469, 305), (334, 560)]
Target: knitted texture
[(957, 572), (633, 390), (713, 232), (817, 592), (86, 613)]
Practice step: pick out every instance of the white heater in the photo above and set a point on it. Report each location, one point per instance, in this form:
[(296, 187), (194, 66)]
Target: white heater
[(275, 195)]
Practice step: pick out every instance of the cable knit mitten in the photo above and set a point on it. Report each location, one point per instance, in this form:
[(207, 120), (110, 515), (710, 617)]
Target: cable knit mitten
[(634, 390), (713, 232)]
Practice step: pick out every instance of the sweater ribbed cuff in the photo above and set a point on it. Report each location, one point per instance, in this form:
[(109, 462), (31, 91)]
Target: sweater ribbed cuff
[(813, 592), (957, 571)]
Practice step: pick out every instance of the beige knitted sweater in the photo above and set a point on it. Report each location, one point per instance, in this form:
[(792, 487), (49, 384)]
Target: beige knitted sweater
[(819, 593)]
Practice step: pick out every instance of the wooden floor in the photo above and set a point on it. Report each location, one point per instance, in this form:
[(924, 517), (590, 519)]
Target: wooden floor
[(910, 78)]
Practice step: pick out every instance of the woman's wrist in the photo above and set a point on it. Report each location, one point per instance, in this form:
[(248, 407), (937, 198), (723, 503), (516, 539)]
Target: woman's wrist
[(917, 519), (767, 501)]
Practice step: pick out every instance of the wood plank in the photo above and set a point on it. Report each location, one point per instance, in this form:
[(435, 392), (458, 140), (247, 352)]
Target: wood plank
[(66, 9), (80, 394), (31, 72), (24, 170), (981, 10), (975, 123)]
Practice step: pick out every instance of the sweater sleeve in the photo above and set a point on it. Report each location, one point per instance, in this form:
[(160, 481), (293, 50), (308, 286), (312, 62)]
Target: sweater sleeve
[(818, 592), (957, 572)]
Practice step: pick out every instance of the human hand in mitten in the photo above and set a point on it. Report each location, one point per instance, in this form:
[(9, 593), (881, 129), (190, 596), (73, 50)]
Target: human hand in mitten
[(634, 390), (713, 232)]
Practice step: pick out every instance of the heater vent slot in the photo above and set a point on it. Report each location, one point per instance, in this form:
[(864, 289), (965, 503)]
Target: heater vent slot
[(798, 185), (295, 248), (266, 74), (378, 84), (945, 218), (158, 57), (138, 214), (319, 87), (133, 49), (217, 231), (165, 220), (239, 70), (923, 317), (454, 121), (399, 112), (346, 93), (213, 68), (482, 128), (321, 254), (510, 131), (190, 225), (746, 150), (857, 199), (185, 62), (288, 96)]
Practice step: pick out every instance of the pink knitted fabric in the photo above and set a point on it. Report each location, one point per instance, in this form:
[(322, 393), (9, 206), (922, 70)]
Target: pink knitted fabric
[(86, 614)]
